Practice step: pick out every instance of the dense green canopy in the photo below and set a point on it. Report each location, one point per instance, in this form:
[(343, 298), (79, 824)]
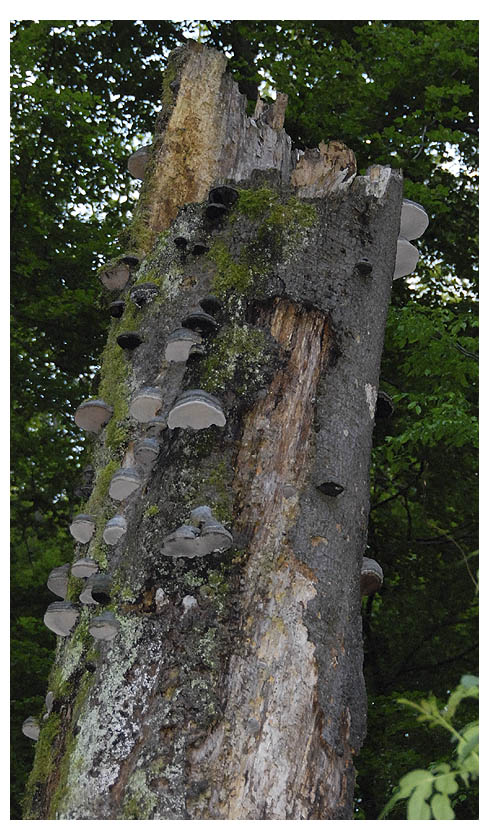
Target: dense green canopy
[(84, 94)]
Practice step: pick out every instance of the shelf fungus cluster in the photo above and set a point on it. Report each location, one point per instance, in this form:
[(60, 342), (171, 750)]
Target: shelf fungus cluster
[(204, 536), (413, 223), (196, 409)]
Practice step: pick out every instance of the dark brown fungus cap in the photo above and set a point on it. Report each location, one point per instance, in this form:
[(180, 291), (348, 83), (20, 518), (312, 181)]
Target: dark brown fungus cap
[(144, 293), (200, 321), (101, 588), (116, 308), (215, 211), (181, 242), (199, 248), (129, 340), (223, 194), (364, 267), (371, 576), (133, 260), (330, 488)]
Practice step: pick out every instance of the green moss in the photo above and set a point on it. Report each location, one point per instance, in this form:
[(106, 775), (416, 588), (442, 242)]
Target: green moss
[(100, 505), (255, 204), (232, 359), (121, 591), (75, 586), (44, 762), (152, 510), (230, 274)]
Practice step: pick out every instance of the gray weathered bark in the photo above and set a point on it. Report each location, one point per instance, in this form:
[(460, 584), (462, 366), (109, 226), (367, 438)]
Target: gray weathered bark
[(234, 689)]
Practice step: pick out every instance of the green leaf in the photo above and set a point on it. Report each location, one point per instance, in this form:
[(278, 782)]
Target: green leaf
[(415, 779), (417, 808), (446, 783), (441, 807)]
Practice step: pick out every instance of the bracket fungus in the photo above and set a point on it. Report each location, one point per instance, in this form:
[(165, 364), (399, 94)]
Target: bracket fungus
[(406, 258), (205, 536), (49, 700), (223, 194), (181, 242), (93, 415), (371, 576), (414, 220), (124, 482), (61, 617), (196, 410), (143, 293), (181, 344), (84, 567), (116, 308), (133, 260), (200, 321), (214, 538), (129, 340), (116, 278), (330, 488), (384, 406), (104, 626), (83, 527), (85, 596), (145, 404), (146, 451), (101, 588), (114, 530), (156, 425), (137, 162), (31, 729), (199, 248), (200, 515), (364, 267), (58, 580), (182, 542)]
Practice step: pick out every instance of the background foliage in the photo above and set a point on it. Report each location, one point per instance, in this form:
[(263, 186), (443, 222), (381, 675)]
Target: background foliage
[(84, 94)]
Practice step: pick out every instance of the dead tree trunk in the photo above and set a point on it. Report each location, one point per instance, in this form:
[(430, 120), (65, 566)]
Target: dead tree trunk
[(233, 688)]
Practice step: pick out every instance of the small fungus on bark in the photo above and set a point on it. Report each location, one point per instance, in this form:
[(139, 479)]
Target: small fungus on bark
[(144, 293), (116, 278), (156, 425), (93, 415), (137, 162), (61, 617), (215, 211), (181, 344), (414, 219), (114, 530), (84, 567), (182, 543), (146, 451), (116, 308), (58, 580), (199, 248), (124, 482), (214, 538), (200, 321), (31, 729), (364, 267), (371, 576), (101, 588), (406, 258), (200, 515), (82, 528), (330, 488), (129, 340), (145, 404), (133, 260), (196, 410), (104, 626), (181, 242)]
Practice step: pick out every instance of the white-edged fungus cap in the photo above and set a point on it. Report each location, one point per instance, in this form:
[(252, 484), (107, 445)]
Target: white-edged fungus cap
[(414, 219), (30, 728), (92, 415), (116, 278), (184, 542), (104, 626), (82, 528), (61, 617), (124, 482), (58, 580), (181, 343), (114, 530), (371, 576), (406, 258), (196, 410), (214, 538), (84, 567), (137, 162), (146, 404), (146, 451), (85, 596)]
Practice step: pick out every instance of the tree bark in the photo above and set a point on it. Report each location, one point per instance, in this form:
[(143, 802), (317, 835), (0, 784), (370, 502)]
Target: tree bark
[(234, 689)]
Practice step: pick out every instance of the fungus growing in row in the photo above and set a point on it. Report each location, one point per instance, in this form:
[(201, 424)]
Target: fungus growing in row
[(330, 488), (414, 219), (58, 580), (364, 267), (143, 293), (200, 321), (101, 588), (406, 258), (82, 528), (156, 425), (371, 576), (137, 162), (124, 482), (146, 451), (84, 567), (116, 308), (31, 729), (215, 211), (85, 596), (214, 538), (104, 626), (145, 404), (129, 340), (196, 410), (182, 543), (384, 406), (61, 617), (181, 344), (93, 415), (114, 530), (211, 305), (199, 248), (115, 278)]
